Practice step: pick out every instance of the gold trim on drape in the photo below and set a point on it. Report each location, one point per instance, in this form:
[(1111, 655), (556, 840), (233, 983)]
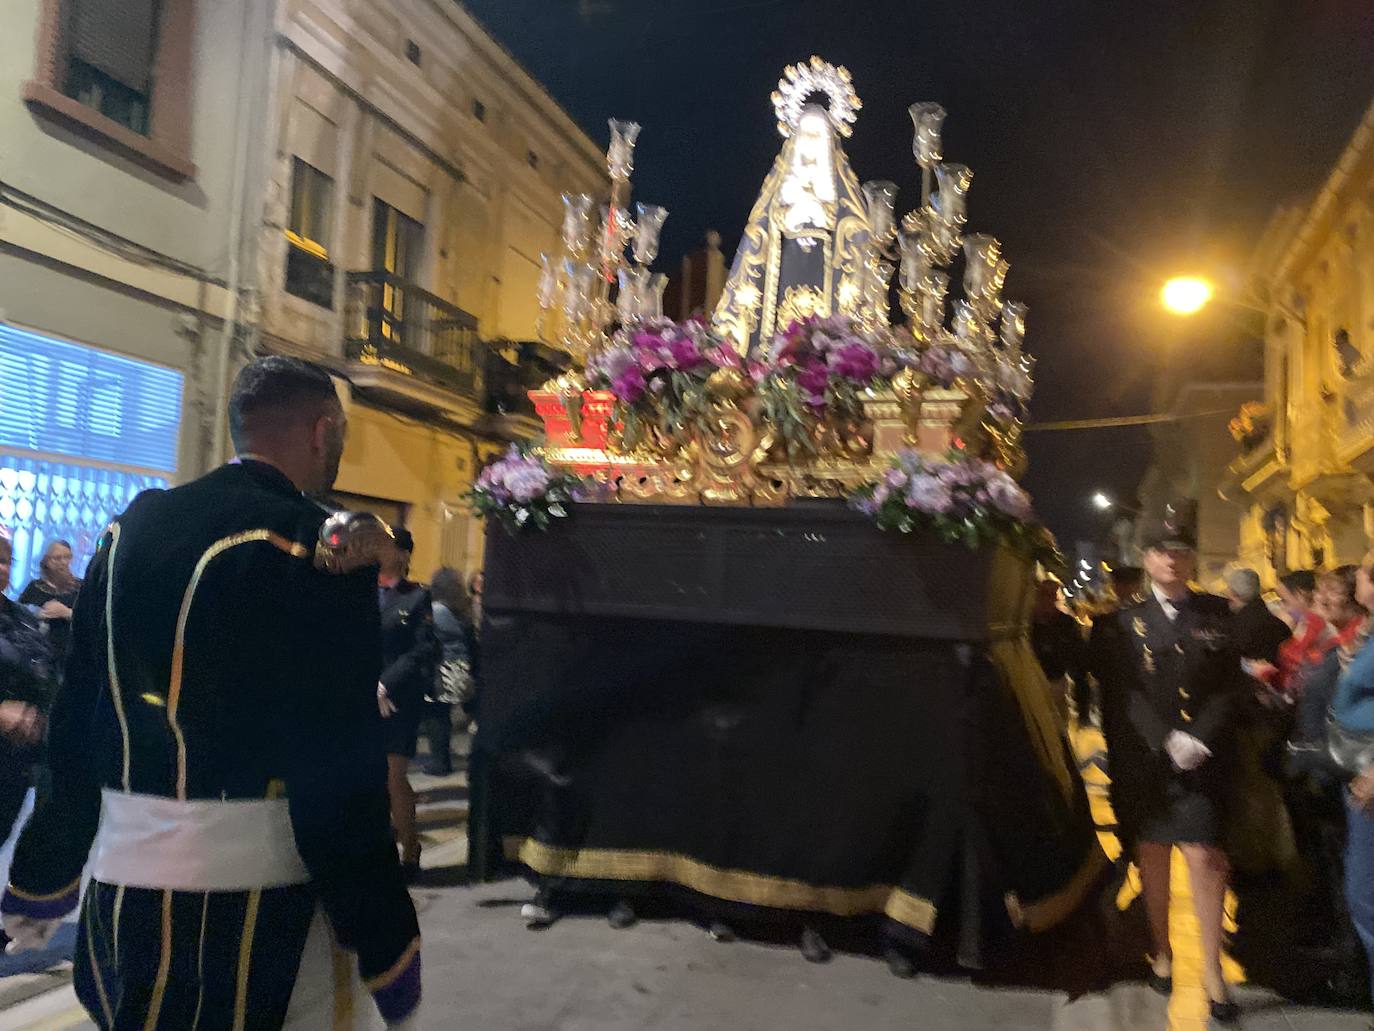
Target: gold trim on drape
[(1017, 665), (1054, 909), (728, 885)]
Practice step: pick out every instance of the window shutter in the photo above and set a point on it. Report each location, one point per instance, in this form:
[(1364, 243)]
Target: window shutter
[(119, 37), (61, 398)]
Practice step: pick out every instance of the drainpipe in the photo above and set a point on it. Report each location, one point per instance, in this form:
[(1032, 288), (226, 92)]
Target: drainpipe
[(252, 75)]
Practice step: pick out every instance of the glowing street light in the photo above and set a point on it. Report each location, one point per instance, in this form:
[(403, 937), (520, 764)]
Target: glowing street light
[(1186, 295), (1101, 501)]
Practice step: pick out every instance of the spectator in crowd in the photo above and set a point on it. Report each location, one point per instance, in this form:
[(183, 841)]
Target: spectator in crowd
[(53, 596), (1297, 591), (455, 684), (26, 687), (1057, 639), (1351, 746), (1260, 837), (1314, 786), (1258, 632), (409, 660)]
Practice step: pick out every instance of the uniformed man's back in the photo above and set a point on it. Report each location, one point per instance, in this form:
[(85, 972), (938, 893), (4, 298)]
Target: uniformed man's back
[(216, 750), (218, 622)]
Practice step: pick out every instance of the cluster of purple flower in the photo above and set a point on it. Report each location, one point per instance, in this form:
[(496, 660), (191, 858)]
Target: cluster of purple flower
[(514, 478), (944, 364), (820, 352), (640, 356), (960, 490)]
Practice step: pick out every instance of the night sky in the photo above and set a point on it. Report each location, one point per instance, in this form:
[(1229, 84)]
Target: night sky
[(1112, 144)]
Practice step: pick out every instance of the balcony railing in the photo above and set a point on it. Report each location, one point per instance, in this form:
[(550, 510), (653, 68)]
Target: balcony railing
[(516, 368), (396, 325)]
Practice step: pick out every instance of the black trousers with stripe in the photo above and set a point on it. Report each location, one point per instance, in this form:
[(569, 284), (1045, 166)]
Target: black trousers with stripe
[(150, 959)]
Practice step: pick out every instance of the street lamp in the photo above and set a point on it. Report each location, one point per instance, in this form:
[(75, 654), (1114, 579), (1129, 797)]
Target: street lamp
[(1105, 504), (1186, 295)]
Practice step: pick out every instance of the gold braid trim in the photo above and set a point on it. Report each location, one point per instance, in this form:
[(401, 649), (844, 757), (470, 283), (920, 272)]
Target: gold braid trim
[(20, 893), (116, 698), (93, 903), (384, 980), (179, 642), (164, 965), (728, 885)]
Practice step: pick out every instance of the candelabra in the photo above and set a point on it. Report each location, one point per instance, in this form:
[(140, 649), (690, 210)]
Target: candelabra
[(602, 276), (928, 241)]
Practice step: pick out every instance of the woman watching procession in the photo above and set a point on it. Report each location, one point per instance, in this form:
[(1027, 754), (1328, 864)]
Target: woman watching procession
[(52, 595)]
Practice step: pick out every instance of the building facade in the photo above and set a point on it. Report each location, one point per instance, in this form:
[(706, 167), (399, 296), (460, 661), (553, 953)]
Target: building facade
[(414, 178), (1307, 453), (1191, 454), (126, 155)]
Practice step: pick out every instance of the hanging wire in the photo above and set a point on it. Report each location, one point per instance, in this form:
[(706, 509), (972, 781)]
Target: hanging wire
[(1124, 420)]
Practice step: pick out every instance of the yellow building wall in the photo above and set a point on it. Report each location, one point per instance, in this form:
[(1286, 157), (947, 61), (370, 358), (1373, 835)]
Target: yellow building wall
[(423, 467)]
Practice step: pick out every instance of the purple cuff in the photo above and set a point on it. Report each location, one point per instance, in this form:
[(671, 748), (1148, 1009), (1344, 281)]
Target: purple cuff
[(46, 907), (399, 997)]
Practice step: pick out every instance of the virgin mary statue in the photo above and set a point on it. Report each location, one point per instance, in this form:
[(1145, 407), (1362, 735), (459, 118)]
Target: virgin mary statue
[(804, 250)]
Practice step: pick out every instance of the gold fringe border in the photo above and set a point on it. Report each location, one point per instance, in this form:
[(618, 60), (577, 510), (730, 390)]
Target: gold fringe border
[(1054, 909), (728, 885), (782, 893)]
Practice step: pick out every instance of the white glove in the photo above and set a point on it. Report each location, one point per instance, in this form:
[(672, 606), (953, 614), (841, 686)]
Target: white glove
[(1186, 751), (26, 932)]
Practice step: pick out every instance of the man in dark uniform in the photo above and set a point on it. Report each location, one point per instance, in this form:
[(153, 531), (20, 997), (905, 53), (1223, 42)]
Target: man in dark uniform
[(410, 657), (1171, 680), (216, 752)]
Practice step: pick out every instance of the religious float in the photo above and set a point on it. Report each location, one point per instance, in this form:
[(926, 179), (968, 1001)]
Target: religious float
[(755, 611)]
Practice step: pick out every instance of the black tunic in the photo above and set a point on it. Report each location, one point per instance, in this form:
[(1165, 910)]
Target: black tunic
[(211, 660), (1159, 676)]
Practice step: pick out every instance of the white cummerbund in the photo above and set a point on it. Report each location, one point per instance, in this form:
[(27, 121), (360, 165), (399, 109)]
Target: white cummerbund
[(147, 841)]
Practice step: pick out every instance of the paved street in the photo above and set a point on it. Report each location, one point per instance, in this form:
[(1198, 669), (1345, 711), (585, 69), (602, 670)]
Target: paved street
[(484, 970)]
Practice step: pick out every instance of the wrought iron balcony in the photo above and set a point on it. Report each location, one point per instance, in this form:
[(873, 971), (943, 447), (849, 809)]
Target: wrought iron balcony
[(395, 325), (514, 368)]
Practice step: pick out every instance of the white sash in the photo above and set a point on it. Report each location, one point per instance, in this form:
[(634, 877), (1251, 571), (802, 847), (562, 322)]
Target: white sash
[(147, 841)]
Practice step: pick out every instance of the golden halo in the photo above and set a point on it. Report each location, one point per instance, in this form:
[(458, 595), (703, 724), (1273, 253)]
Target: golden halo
[(804, 79)]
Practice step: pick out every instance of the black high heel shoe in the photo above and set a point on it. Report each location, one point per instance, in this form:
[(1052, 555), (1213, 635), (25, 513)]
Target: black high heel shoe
[(1224, 1012), (1161, 984)]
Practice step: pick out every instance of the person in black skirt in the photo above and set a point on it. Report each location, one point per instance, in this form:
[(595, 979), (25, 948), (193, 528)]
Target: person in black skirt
[(1171, 683), (409, 658)]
